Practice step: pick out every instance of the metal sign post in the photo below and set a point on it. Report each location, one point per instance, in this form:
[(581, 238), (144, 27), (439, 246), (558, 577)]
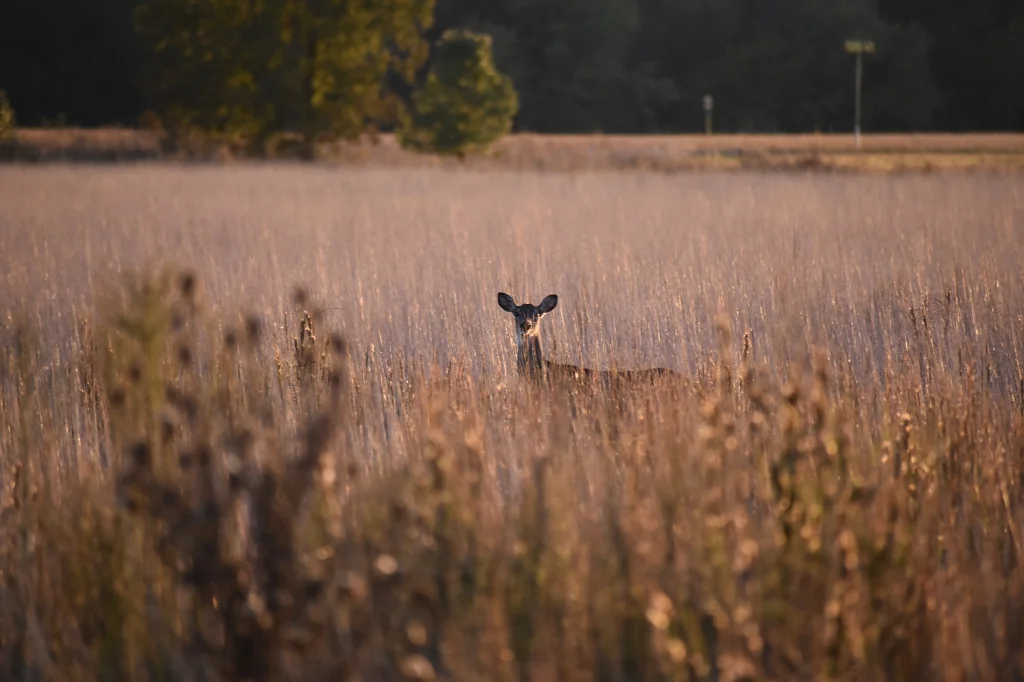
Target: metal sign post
[(858, 48), (709, 105)]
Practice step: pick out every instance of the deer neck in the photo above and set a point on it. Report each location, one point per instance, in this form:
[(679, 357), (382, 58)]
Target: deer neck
[(529, 359)]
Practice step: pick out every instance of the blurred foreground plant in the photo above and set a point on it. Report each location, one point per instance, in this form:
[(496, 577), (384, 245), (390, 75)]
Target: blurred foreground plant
[(270, 508)]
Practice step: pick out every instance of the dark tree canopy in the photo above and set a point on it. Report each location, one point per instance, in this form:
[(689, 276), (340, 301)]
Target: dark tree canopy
[(466, 104), (70, 60), (577, 65), (976, 55)]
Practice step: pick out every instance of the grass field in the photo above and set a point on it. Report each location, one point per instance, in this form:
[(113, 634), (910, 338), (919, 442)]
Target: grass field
[(880, 152), (195, 484)]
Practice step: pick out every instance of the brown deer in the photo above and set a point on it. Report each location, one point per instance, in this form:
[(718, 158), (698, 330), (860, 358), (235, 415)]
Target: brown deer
[(530, 362)]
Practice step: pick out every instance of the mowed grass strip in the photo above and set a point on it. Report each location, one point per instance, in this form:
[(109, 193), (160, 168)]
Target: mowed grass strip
[(880, 152)]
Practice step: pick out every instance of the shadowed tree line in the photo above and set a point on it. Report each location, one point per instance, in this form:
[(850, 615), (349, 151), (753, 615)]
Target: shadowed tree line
[(577, 65)]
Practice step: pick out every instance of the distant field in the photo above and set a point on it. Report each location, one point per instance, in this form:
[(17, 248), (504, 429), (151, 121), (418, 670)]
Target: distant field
[(400, 252), (879, 152), (189, 482)]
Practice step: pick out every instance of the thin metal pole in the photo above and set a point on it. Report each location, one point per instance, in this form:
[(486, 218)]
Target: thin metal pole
[(856, 122)]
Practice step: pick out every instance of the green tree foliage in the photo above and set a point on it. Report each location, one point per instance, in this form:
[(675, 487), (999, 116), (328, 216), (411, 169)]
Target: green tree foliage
[(6, 117), (253, 67), (466, 104)]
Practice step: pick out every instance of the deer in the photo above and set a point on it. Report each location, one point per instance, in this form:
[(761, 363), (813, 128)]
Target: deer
[(531, 364)]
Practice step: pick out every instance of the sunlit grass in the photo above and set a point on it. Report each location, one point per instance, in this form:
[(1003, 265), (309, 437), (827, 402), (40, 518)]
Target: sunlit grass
[(207, 474)]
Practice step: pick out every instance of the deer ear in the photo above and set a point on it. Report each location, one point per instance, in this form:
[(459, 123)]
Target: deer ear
[(507, 303), (548, 304)]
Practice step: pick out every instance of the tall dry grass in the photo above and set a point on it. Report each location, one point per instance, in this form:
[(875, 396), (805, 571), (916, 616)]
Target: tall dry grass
[(208, 475)]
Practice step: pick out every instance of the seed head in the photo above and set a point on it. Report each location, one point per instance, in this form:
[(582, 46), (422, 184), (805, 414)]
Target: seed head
[(141, 455), (253, 327), (386, 565), (135, 372), (336, 343), (187, 285), (166, 429), (417, 667)]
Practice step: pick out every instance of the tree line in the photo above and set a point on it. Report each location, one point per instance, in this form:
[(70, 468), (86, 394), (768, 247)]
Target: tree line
[(636, 66)]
